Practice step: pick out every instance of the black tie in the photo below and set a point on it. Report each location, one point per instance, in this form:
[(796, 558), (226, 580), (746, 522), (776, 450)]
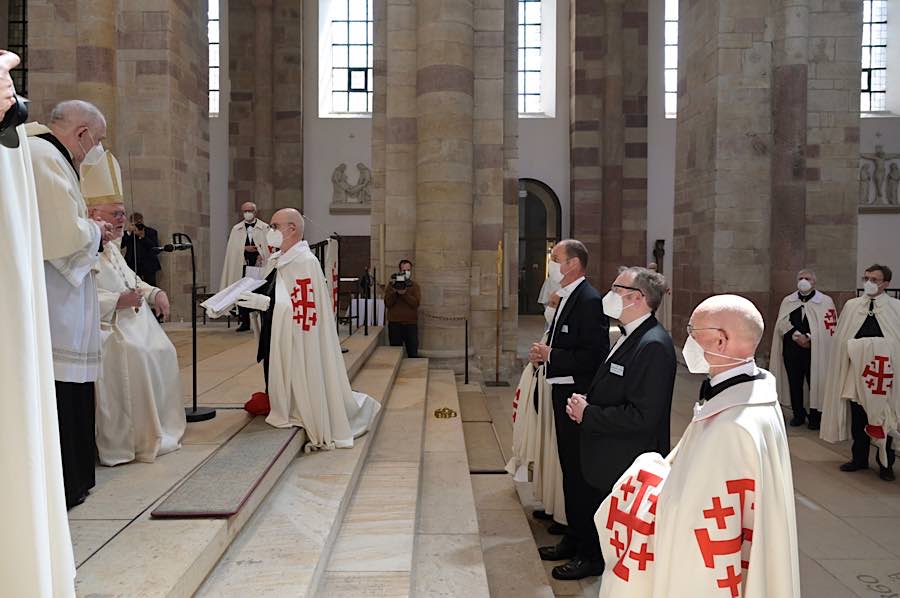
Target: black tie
[(705, 390), (871, 306), (622, 330)]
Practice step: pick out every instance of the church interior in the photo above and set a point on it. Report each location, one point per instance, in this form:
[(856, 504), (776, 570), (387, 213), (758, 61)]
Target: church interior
[(732, 144)]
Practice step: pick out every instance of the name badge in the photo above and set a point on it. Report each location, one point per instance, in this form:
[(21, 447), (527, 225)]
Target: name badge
[(618, 370), (565, 328)]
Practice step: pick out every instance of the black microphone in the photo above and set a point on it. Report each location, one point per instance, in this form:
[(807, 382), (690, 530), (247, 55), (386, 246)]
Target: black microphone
[(170, 247)]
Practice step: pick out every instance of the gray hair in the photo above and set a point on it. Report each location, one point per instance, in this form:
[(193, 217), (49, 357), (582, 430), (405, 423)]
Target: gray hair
[(651, 284), (76, 113), (806, 271)]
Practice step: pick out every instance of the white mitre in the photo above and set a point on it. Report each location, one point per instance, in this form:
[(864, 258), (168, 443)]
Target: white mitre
[(101, 182)]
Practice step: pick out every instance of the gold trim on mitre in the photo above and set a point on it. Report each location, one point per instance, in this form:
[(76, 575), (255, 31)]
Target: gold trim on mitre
[(101, 183)]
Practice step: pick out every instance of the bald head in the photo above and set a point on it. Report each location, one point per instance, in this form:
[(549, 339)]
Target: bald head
[(729, 325), (290, 222), (79, 125)]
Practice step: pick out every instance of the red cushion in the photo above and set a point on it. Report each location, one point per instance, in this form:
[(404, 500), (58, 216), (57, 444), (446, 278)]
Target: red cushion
[(258, 404)]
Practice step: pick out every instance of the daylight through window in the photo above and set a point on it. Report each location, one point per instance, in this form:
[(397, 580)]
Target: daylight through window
[(530, 87), (351, 56), (214, 47), (671, 59), (874, 56)]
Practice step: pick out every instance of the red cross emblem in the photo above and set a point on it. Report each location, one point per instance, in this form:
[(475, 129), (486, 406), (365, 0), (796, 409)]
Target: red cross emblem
[(334, 287), (644, 488), (303, 300), (879, 375), (735, 547), (516, 403), (830, 321)]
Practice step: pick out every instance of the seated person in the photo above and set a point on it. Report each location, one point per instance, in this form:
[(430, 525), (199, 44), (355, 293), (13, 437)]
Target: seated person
[(140, 410), (306, 379)]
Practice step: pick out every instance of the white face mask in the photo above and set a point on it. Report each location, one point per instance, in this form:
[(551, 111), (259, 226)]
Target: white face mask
[(249, 216), (274, 238), (695, 357), (804, 286), (549, 313), (871, 288), (555, 273), (92, 157), (613, 305)]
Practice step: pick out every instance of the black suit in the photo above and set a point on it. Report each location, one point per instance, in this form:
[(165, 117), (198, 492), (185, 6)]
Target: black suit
[(579, 344), (142, 250), (629, 410)]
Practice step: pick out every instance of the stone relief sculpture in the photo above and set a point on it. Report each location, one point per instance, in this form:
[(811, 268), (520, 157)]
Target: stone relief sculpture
[(893, 179), (877, 170), (347, 198), (865, 179)]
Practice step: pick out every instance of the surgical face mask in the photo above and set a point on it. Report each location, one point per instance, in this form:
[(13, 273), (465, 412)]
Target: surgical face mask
[(695, 357), (555, 273), (613, 305), (274, 238), (549, 313), (804, 286), (871, 288), (249, 216)]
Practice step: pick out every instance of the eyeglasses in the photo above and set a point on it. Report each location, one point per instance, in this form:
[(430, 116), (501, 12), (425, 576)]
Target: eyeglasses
[(691, 330), (868, 279), (622, 286)]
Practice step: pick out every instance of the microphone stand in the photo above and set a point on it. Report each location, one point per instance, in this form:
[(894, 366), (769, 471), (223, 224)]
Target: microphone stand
[(193, 413)]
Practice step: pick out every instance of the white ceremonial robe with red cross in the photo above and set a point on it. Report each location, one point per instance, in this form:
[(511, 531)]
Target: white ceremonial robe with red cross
[(721, 522), (332, 275), (308, 384), (872, 363), (822, 317)]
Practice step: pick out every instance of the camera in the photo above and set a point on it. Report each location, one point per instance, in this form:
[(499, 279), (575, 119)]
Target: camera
[(14, 117), (400, 280), (139, 226)]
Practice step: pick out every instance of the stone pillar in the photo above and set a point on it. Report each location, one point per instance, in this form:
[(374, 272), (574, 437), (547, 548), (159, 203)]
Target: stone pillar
[(511, 186), (379, 115), (262, 108), (95, 60), (287, 105), (444, 109)]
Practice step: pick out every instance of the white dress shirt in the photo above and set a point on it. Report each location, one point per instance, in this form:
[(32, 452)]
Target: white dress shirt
[(629, 328), (748, 368), (563, 293)]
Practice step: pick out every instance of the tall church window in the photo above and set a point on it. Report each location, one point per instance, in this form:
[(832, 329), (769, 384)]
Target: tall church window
[(530, 84), (671, 58), (874, 56), (213, 25), (18, 43), (351, 56)]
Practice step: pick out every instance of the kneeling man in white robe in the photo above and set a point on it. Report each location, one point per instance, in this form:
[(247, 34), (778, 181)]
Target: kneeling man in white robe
[(140, 411), (715, 518), (306, 378)]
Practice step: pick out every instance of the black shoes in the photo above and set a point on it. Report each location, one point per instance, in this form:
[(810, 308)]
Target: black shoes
[(799, 419), (886, 474), (242, 328), (578, 568), (815, 419), (562, 551), (542, 516), (853, 466), (557, 529)]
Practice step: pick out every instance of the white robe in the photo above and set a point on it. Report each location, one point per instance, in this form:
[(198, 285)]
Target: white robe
[(720, 523), (822, 317), (835, 422), (534, 442), (308, 384), (332, 275), (140, 411), (71, 243), (36, 551), (233, 269)]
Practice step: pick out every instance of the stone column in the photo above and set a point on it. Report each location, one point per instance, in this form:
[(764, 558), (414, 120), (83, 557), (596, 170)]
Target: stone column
[(262, 108), (379, 104), (95, 60), (511, 185), (287, 105), (444, 108)]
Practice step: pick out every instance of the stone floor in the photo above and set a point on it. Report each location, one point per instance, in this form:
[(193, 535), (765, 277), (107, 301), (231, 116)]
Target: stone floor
[(848, 523)]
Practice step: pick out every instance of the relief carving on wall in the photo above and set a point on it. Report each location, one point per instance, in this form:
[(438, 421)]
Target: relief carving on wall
[(879, 177), (347, 198)]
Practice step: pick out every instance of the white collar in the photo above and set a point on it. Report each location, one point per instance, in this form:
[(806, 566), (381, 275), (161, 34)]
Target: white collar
[(286, 257), (633, 325), (795, 296), (567, 290), (761, 392), (748, 368)]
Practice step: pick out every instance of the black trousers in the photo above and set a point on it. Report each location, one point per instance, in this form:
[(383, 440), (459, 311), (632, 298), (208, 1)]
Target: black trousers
[(149, 278), (582, 500), (75, 411), (797, 362), (404, 335), (860, 449)]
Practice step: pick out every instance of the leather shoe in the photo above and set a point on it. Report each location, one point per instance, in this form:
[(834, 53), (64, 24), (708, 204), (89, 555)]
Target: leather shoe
[(815, 420), (798, 420), (886, 474), (242, 329), (542, 515), (577, 568), (562, 551), (557, 529), (851, 466)]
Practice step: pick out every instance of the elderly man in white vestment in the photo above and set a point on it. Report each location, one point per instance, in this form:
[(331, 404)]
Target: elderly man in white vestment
[(36, 551), (246, 247), (72, 244), (140, 412), (716, 518), (306, 379)]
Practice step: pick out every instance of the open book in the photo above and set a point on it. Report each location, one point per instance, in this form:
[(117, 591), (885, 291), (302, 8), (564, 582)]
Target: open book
[(219, 304)]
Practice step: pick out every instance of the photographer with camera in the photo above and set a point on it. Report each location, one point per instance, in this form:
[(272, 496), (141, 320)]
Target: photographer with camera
[(401, 298), (138, 243)]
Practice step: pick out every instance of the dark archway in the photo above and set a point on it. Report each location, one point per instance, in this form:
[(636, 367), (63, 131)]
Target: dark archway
[(540, 227)]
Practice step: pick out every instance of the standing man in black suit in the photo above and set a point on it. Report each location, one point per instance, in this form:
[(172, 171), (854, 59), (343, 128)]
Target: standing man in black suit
[(627, 409), (579, 341), (138, 244)]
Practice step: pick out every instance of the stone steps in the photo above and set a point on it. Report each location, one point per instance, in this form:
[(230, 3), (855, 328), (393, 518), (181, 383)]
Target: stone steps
[(122, 552)]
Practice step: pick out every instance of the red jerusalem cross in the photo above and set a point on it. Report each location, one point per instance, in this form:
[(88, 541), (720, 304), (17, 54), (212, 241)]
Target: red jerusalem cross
[(878, 375), (830, 321), (516, 403), (303, 300), (633, 524), (334, 287)]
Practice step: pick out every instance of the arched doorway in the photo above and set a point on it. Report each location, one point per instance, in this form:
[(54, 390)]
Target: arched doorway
[(540, 227)]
